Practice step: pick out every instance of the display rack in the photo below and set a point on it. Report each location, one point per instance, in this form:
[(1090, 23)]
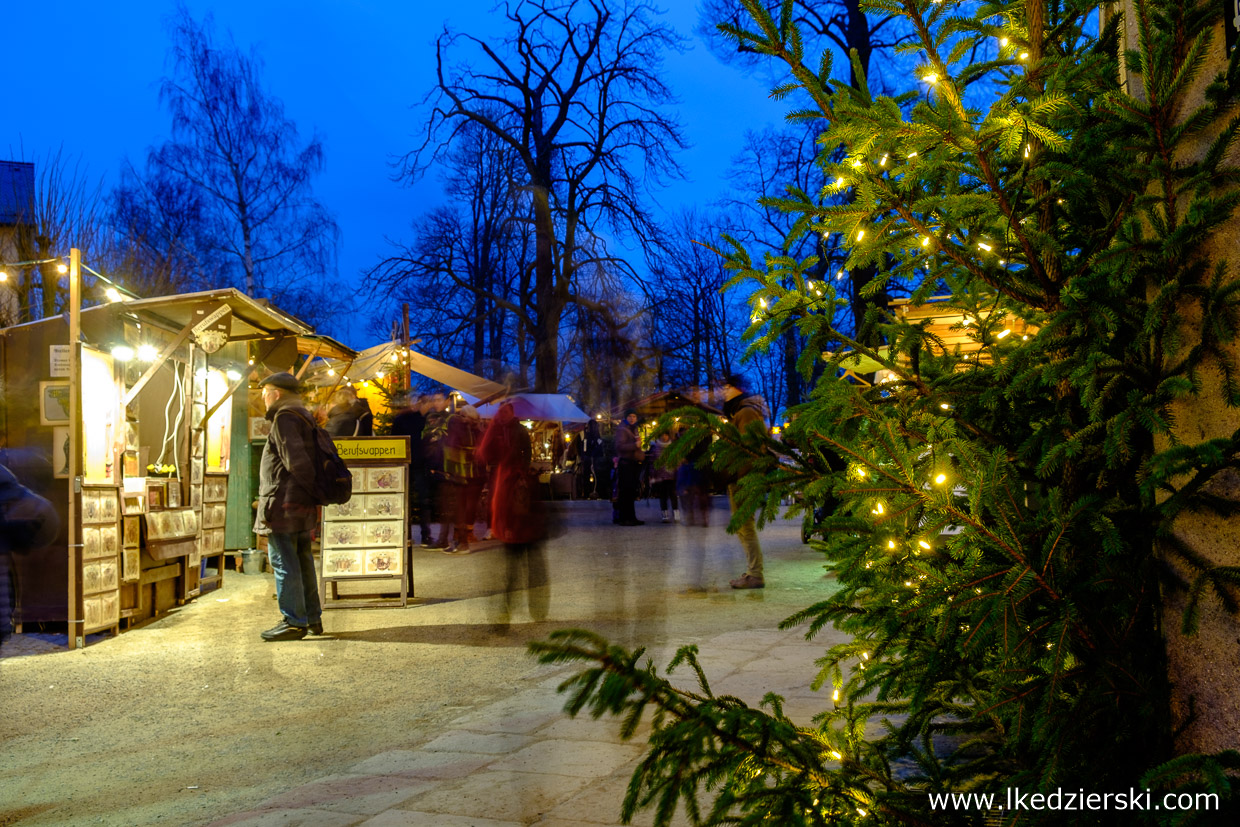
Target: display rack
[(101, 559), (367, 538)]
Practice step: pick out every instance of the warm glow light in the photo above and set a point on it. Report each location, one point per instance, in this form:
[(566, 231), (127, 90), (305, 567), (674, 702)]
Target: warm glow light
[(944, 406), (3, 276), (147, 353), (1024, 55), (931, 78), (1003, 41), (122, 353), (113, 294), (330, 372), (62, 268), (925, 242), (984, 246), (891, 544), (1003, 334), (378, 374), (941, 478), (860, 234), (883, 162), (923, 544), (233, 375)]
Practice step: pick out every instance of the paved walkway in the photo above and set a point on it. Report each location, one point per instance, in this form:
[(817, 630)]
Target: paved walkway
[(523, 761)]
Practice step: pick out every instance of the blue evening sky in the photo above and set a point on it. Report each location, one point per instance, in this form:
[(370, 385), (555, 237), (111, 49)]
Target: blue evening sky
[(84, 77)]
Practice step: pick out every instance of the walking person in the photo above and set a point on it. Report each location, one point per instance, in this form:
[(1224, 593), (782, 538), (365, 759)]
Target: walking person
[(348, 415), (747, 411), (594, 454), (629, 456), (287, 511), (663, 481), (462, 477), (517, 516), (410, 421), (693, 484)]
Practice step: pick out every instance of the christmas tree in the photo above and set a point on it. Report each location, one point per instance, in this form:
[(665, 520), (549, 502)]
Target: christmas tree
[(1004, 496)]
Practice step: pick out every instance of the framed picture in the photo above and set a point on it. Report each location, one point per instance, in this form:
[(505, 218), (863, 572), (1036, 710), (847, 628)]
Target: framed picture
[(107, 506), (60, 452), (195, 496), (109, 541), (172, 497), (338, 562), (53, 403), (90, 506), (133, 531), (155, 494), (195, 470), (131, 464), (383, 480), (385, 505), (383, 561), (133, 504), (90, 543), (260, 427), (350, 510), (385, 533)]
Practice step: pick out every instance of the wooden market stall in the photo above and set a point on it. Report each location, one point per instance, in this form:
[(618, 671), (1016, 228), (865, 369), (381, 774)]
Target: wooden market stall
[(138, 436)]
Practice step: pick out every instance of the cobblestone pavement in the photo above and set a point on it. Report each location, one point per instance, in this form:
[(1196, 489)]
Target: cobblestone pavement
[(428, 715)]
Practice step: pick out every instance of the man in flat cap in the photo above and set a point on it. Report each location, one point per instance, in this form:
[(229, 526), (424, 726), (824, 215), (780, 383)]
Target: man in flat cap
[(287, 511)]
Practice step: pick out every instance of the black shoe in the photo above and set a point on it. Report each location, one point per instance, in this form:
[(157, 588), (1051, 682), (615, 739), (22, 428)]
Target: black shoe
[(316, 628), (631, 522), (283, 631)]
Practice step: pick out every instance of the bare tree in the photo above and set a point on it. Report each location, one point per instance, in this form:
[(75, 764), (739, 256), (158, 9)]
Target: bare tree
[(264, 230), (575, 91), (61, 208)]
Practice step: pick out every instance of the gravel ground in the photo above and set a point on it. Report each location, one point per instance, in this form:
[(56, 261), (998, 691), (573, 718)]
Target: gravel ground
[(192, 717)]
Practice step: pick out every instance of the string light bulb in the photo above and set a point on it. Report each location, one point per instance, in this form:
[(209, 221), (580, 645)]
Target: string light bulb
[(113, 294), (940, 479), (931, 78)]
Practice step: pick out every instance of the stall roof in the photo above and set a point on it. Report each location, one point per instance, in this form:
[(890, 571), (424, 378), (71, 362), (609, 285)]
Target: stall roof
[(369, 362), (661, 402), (540, 407), (250, 318)]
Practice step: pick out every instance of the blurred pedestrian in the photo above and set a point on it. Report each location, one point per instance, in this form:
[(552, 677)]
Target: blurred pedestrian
[(747, 411), (693, 486), (518, 517), (28, 523), (629, 456), (462, 475), (441, 497), (348, 415), (287, 511), (595, 456), (663, 480), (410, 421)]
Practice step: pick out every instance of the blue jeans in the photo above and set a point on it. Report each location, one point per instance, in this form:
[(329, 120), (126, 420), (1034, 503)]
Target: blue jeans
[(297, 584)]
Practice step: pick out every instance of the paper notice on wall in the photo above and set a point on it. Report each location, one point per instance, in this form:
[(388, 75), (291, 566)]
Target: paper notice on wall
[(58, 356)]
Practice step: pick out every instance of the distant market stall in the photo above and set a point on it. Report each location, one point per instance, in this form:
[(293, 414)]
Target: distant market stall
[(135, 430)]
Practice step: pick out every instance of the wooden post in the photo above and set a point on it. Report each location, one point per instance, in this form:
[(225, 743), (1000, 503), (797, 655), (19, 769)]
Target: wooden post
[(405, 342), (76, 621)]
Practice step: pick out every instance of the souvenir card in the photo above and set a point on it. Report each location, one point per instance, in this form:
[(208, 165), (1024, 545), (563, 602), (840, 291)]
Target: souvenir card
[(189, 519), (385, 505), (195, 496), (109, 609), (173, 494), (384, 480), (90, 506), (383, 561), (108, 574), (342, 561), (351, 510), (91, 577), (359, 479), (90, 543), (109, 541), (107, 506), (385, 533), (133, 531), (92, 611), (130, 564), (343, 534)]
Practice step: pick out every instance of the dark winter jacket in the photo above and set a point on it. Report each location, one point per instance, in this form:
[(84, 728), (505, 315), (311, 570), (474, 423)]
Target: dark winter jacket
[(286, 502), (354, 419), (410, 423), (744, 411), (628, 445), (517, 515)]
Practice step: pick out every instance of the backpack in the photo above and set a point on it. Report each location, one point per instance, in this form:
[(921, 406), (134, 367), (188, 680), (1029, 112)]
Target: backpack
[(333, 482)]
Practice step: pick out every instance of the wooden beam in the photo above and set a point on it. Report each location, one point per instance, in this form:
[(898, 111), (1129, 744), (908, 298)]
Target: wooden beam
[(168, 350)]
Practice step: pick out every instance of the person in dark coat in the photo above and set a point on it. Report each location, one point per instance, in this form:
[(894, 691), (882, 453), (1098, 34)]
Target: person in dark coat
[(517, 516), (287, 511), (594, 449), (349, 416), (410, 422), (462, 480), (628, 469), (28, 522)]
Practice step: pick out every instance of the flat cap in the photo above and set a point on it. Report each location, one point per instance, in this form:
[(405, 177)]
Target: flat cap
[(283, 381)]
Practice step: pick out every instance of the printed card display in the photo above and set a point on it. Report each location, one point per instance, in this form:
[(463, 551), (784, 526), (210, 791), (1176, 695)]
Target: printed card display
[(383, 561), (338, 562), (385, 480), (385, 505), (385, 533), (354, 509)]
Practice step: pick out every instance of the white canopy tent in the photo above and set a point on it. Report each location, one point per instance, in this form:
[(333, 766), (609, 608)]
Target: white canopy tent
[(390, 357)]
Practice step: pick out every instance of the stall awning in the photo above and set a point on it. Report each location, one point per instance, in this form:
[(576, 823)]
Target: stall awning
[(540, 407), (248, 318), (390, 357)]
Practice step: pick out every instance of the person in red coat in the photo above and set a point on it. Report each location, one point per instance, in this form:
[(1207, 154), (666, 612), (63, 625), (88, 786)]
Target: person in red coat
[(518, 519)]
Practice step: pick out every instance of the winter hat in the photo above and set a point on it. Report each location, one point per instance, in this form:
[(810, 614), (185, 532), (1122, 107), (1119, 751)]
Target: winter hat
[(283, 381)]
